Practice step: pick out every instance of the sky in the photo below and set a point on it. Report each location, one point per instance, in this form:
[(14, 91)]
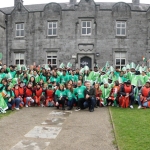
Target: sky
[(9, 3)]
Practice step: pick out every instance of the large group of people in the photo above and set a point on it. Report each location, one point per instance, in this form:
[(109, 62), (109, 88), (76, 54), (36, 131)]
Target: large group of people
[(65, 88)]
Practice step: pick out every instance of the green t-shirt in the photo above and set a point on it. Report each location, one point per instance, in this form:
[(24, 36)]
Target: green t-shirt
[(64, 79), (79, 91), (60, 93), (70, 95), (54, 79)]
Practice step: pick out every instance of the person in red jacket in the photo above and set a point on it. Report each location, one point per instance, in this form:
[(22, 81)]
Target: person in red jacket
[(144, 96), (127, 95), (28, 95), (38, 93), (49, 93)]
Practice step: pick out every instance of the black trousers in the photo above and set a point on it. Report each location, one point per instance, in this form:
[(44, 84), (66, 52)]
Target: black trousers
[(62, 102), (80, 103)]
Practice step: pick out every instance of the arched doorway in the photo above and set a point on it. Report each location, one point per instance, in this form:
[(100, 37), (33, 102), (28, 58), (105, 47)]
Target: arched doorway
[(86, 61)]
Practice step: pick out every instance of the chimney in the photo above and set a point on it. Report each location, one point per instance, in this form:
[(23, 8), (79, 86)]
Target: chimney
[(73, 1), (135, 2), (17, 1)]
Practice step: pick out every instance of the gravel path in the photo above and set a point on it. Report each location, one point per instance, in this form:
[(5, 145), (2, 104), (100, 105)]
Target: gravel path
[(79, 130)]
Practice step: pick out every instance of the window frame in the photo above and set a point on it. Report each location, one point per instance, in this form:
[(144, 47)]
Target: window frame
[(121, 28), (20, 30), (53, 54), (52, 28), (15, 59), (121, 58), (86, 27)]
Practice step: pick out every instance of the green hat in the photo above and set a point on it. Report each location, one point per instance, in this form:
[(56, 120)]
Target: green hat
[(140, 69), (18, 67), (107, 64), (46, 67), (9, 76), (139, 83), (69, 65), (144, 69), (105, 81), (103, 69), (132, 65), (24, 68), (137, 67), (111, 69), (86, 68), (110, 77), (127, 66), (62, 66), (14, 81), (124, 69), (81, 71)]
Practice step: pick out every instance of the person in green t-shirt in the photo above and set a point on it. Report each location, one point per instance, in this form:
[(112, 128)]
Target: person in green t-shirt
[(79, 92), (70, 96), (60, 96)]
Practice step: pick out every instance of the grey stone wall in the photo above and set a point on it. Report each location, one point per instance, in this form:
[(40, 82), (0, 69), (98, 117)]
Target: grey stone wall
[(69, 41)]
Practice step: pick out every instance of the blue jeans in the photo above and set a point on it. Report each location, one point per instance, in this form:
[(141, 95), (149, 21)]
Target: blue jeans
[(145, 104), (71, 102), (17, 102), (90, 103), (10, 104)]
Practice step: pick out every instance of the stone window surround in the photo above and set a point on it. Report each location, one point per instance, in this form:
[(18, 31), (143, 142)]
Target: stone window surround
[(120, 20), (52, 21), (86, 27), (54, 54), (79, 25), (117, 50), (19, 29)]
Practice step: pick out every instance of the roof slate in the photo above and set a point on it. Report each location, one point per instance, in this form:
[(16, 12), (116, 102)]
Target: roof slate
[(67, 6)]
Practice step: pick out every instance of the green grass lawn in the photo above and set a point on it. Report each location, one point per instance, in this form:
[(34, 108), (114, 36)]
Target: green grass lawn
[(132, 128), (7, 114)]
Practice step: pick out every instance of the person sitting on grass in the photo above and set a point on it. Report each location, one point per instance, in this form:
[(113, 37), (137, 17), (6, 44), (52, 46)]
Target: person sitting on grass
[(60, 97), (144, 96), (127, 95)]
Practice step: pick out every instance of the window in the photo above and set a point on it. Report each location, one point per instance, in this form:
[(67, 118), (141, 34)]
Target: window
[(86, 28), (120, 59), (121, 28), (52, 58), (19, 58), (52, 28), (20, 30)]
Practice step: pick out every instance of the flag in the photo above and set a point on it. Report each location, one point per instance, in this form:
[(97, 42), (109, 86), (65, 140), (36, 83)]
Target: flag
[(144, 59), (1, 56)]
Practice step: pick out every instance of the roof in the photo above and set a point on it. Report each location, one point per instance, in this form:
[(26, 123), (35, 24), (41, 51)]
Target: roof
[(67, 6)]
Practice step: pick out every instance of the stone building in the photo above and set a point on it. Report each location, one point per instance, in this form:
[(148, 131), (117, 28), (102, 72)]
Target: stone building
[(82, 33)]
